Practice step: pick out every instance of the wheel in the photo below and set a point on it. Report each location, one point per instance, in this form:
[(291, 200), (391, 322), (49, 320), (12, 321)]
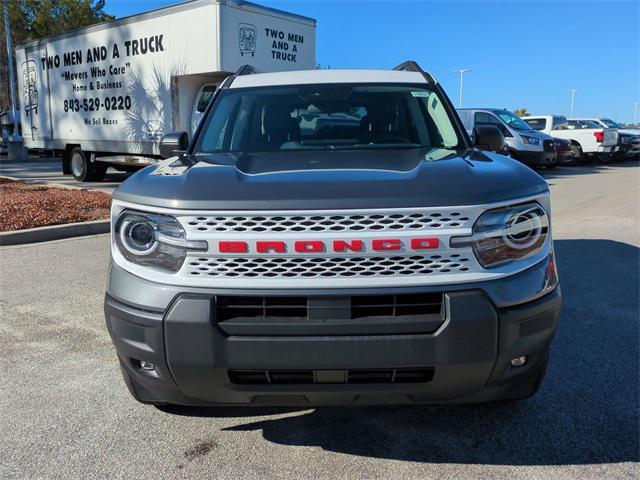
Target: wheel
[(552, 165), (81, 169), (135, 388), (578, 156)]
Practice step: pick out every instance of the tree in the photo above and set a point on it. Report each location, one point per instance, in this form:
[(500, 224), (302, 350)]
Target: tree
[(521, 112), (34, 19)]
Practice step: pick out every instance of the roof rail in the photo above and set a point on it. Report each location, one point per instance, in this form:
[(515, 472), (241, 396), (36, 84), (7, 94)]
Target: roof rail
[(412, 66), (246, 70)]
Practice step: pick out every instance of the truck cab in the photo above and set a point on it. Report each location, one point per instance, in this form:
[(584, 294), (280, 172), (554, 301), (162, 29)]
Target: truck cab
[(522, 142)]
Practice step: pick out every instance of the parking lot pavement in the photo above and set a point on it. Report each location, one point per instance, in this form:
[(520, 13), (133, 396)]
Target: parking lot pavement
[(50, 170), (65, 412)]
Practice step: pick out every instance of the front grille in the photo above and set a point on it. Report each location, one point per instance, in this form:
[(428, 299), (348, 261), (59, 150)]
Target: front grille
[(425, 220), (364, 266), (302, 308), (549, 146), (305, 377), (327, 267)]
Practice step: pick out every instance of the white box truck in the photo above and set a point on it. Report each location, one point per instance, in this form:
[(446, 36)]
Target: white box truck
[(104, 95)]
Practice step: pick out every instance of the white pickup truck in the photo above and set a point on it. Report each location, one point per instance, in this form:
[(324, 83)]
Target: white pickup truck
[(588, 140), (628, 138)]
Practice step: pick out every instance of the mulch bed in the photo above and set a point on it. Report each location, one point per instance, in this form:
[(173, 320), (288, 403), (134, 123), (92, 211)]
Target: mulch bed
[(26, 205)]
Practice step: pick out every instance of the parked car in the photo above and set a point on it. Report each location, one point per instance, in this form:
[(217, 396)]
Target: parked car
[(564, 152), (522, 142), (383, 260), (589, 141), (628, 138)]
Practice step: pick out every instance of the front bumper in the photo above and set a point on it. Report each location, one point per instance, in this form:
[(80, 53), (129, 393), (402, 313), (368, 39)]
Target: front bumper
[(539, 158), (466, 357)]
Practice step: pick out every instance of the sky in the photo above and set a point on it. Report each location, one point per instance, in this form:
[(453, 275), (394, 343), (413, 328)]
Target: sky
[(523, 53)]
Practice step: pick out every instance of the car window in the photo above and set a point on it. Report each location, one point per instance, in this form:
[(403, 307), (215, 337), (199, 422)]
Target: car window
[(559, 123), (610, 123), (582, 124), (512, 120), (537, 123), (327, 117), (205, 97)]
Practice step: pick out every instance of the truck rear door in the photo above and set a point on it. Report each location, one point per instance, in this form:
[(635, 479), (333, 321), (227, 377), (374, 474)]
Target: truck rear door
[(34, 95), (610, 137)]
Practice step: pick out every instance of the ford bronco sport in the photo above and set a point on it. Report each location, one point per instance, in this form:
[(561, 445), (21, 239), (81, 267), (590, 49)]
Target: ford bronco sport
[(332, 237)]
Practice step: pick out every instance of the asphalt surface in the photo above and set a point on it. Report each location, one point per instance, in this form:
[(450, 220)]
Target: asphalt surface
[(65, 412), (50, 170)]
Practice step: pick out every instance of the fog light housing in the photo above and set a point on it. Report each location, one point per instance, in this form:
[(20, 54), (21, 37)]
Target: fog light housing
[(146, 366), (519, 361)]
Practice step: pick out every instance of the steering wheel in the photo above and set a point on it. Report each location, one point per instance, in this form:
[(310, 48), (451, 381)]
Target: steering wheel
[(392, 140)]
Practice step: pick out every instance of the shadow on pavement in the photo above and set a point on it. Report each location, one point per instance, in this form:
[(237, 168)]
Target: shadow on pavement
[(585, 412), (584, 169), (50, 170)]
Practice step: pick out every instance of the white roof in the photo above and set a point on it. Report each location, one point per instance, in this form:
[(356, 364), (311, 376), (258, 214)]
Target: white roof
[(302, 77)]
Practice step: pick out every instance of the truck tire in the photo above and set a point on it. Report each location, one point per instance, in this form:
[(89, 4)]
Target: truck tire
[(81, 169), (135, 388), (578, 156)]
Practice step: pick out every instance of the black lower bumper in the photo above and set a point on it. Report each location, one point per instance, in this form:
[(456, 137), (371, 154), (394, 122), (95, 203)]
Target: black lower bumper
[(534, 158), (465, 358)]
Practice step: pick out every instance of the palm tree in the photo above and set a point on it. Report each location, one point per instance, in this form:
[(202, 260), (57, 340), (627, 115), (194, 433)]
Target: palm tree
[(522, 112)]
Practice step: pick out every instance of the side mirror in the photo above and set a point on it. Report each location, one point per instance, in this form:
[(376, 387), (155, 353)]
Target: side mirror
[(488, 137), (174, 143)]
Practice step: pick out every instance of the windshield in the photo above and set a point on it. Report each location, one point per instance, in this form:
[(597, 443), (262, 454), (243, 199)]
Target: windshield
[(327, 117), (512, 120), (610, 123)]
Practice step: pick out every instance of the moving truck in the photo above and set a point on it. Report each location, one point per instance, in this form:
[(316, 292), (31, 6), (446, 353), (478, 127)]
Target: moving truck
[(104, 95)]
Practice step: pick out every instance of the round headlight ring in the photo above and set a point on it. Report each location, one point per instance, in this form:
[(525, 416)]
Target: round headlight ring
[(137, 235), (522, 240)]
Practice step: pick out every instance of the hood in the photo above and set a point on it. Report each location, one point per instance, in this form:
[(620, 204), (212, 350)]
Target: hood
[(535, 134), (310, 180), (630, 131)]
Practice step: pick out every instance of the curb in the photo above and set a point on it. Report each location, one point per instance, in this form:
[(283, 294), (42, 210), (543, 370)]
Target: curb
[(47, 183), (54, 232)]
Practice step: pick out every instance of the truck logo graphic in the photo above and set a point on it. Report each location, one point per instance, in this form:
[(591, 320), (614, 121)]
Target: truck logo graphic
[(30, 90), (247, 38)]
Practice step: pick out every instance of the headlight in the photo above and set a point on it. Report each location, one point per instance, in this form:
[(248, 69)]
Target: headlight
[(530, 140), (153, 240), (507, 234)]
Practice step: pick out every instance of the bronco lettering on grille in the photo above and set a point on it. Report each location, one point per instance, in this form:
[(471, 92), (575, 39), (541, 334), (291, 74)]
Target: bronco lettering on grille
[(337, 246)]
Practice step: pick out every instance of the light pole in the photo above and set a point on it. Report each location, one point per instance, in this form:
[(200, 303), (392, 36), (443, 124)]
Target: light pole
[(462, 71), (573, 93), (15, 150), (635, 113)]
